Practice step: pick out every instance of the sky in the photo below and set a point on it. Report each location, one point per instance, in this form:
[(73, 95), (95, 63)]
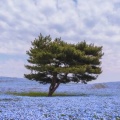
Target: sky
[(95, 21)]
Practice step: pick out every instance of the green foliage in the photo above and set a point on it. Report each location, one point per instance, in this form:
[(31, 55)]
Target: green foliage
[(70, 62)]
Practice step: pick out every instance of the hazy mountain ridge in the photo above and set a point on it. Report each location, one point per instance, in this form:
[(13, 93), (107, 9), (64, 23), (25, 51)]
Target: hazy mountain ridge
[(22, 84)]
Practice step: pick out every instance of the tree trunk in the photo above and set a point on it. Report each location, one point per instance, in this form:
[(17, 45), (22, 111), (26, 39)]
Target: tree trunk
[(52, 88), (54, 85)]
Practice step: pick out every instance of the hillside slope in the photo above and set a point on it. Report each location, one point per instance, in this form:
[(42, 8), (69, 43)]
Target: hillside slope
[(8, 84)]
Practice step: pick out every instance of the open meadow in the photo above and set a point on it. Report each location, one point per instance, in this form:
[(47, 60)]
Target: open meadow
[(99, 101)]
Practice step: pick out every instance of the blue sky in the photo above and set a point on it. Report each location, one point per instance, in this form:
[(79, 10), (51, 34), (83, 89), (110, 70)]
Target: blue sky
[(96, 21)]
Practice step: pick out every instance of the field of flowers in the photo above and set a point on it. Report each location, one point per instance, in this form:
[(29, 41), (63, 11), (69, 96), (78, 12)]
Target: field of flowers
[(90, 102)]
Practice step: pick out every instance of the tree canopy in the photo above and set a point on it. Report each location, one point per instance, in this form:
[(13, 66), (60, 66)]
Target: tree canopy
[(56, 61)]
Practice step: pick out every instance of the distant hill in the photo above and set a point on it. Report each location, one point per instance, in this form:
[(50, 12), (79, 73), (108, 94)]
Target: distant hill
[(22, 84)]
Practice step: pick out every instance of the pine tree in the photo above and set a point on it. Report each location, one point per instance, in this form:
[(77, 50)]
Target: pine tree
[(56, 61)]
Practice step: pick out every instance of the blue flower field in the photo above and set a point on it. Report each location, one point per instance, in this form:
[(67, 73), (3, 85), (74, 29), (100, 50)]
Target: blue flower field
[(100, 101)]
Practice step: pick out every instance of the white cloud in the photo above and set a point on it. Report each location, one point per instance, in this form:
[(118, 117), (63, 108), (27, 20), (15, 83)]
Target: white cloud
[(12, 68), (13, 47), (96, 21)]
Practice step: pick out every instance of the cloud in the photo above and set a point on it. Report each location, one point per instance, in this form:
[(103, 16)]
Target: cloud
[(59, 18), (12, 68), (95, 21), (13, 47)]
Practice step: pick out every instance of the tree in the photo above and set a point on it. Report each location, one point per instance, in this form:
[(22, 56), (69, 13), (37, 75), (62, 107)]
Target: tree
[(56, 61)]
